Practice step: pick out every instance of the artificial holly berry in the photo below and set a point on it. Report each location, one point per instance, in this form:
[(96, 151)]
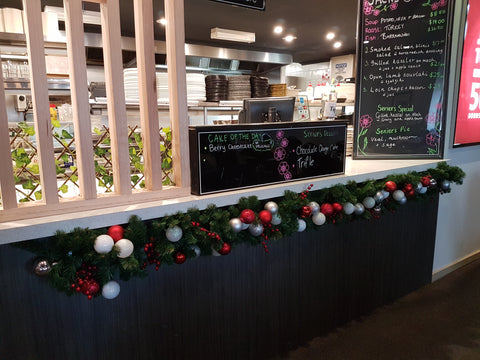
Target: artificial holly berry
[(90, 287), (326, 209), (225, 249), (247, 216), (305, 211), (390, 186), (425, 180), (115, 232), (337, 208), (179, 258), (265, 217)]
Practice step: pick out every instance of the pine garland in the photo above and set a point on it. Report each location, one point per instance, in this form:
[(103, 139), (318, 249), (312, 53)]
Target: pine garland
[(74, 262)]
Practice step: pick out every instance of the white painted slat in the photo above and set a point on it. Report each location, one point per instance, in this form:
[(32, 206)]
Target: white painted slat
[(117, 114), (175, 39), (41, 108), (145, 47), (80, 106), (7, 183)]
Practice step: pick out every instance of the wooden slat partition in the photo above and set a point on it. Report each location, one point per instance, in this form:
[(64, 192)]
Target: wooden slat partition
[(145, 46), (175, 38), (7, 184), (41, 109), (117, 114), (80, 105)]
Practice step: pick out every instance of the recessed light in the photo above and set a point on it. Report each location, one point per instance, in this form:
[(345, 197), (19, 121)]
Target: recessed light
[(289, 38), (330, 36), (162, 21), (278, 29), (337, 44)]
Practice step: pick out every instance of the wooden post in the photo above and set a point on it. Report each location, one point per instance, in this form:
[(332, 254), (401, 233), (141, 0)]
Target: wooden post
[(41, 107)]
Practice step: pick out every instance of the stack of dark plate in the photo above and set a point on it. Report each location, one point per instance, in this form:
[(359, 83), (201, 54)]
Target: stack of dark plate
[(239, 87), (216, 87), (259, 86)]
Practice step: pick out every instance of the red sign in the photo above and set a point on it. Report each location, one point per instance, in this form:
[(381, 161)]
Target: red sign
[(467, 129)]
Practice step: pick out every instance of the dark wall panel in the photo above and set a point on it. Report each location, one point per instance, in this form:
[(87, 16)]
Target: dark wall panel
[(247, 305)]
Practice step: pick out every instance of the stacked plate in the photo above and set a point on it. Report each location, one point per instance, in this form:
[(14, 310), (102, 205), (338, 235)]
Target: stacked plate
[(259, 86), (239, 87), (196, 87), (162, 87), (216, 87), (278, 89), (130, 81)]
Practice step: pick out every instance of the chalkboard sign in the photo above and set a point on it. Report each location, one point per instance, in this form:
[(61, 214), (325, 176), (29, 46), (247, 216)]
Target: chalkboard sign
[(246, 155), (402, 76), (253, 4)]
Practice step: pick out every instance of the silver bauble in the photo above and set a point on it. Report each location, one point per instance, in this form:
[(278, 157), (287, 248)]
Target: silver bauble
[(368, 202), (314, 206), (42, 267), (255, 229), (386, 194), (419, 187), (174, 233), (433, 183), (236, 224), (276, 219), (378, 197), (398, 195), (423, 190), (359, 209), (377, 210), (196, 249), (302, 225), (445, 185), (319, 219), (348, 208), (272, 207), (245, 226), (402, 200)]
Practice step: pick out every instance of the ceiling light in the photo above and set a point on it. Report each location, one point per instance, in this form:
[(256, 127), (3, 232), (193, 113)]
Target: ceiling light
[(289, 38), (330, 36), (337, 44), (89, 17), (232, 35), (162, 21), (278, 29)]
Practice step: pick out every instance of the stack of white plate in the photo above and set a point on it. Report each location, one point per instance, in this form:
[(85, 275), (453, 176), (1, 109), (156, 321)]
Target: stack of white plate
[(196, 87), (162, 87), (130, 81)]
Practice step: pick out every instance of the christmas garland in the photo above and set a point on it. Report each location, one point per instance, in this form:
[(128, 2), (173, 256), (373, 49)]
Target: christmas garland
[(86, 261)]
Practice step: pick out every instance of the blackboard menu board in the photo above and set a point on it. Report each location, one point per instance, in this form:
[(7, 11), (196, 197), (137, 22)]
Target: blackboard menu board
[(402, 76), (246, 155)]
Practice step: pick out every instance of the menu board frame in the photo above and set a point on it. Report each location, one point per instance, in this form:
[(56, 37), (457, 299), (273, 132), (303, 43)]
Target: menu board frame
[(462, 75), (427, 132), (233, 157), (251, 4)]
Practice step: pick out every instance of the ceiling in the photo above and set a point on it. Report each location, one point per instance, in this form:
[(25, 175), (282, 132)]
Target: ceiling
[(308, 20)]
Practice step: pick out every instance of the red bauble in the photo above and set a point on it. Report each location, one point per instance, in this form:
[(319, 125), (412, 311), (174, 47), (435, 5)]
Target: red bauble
[(305, 211), (116, 232), (407, 188), (326, 209), (410, 194), (247, 216), (90, 287), (225, 249), (425, 181), (390, 186), (179, 258), (337, 208), (265, 217)]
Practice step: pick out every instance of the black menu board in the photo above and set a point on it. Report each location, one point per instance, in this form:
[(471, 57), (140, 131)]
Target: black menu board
[(402, 76), (241, 156)]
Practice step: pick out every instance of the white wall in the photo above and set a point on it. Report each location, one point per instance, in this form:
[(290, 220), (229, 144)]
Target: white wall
[(458, 227)]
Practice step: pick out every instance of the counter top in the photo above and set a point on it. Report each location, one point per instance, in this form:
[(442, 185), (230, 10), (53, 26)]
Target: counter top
[(355, 170)]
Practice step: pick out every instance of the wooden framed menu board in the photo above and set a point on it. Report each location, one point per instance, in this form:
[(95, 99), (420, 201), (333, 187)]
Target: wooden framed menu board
[(403, 56)]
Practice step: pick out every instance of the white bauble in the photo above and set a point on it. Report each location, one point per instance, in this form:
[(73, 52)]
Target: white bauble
[(276, 219), (196, 249), (348, 208), (319, 218), (398, 195), (110, 290), (272, 207), (302, 225), (125, 248), (315, 207), (245, 226), (236, 224), (255, 229), (369, 202), (103, 244), (359, 209), (174, 233)]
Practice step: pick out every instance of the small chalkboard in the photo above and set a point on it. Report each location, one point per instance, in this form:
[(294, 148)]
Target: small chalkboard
[(402, 76), (252, 4), (246, 155)]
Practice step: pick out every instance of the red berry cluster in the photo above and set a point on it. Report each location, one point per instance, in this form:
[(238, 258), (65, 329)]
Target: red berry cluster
[(272, 230), (209, 233), (86, 282), (152, 255), (303, 195)]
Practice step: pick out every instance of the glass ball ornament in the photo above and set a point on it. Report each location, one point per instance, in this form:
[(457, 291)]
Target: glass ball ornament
[(445, 185), (398, 195), (403, 200), (245, 226), (110, 290), (247, 216), (272, 207), (179, 258), (359, 209), (423, 190), (255, 229), (103, 244), (116, 232), (385, 194), (378, 197), (225, 249), (124, 247), (276, 219), (302, 225), (315, 207), (42, 267), (348, 208), (369, 202), (236, 224), (265, 217), (174, 233), (319, 218)]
